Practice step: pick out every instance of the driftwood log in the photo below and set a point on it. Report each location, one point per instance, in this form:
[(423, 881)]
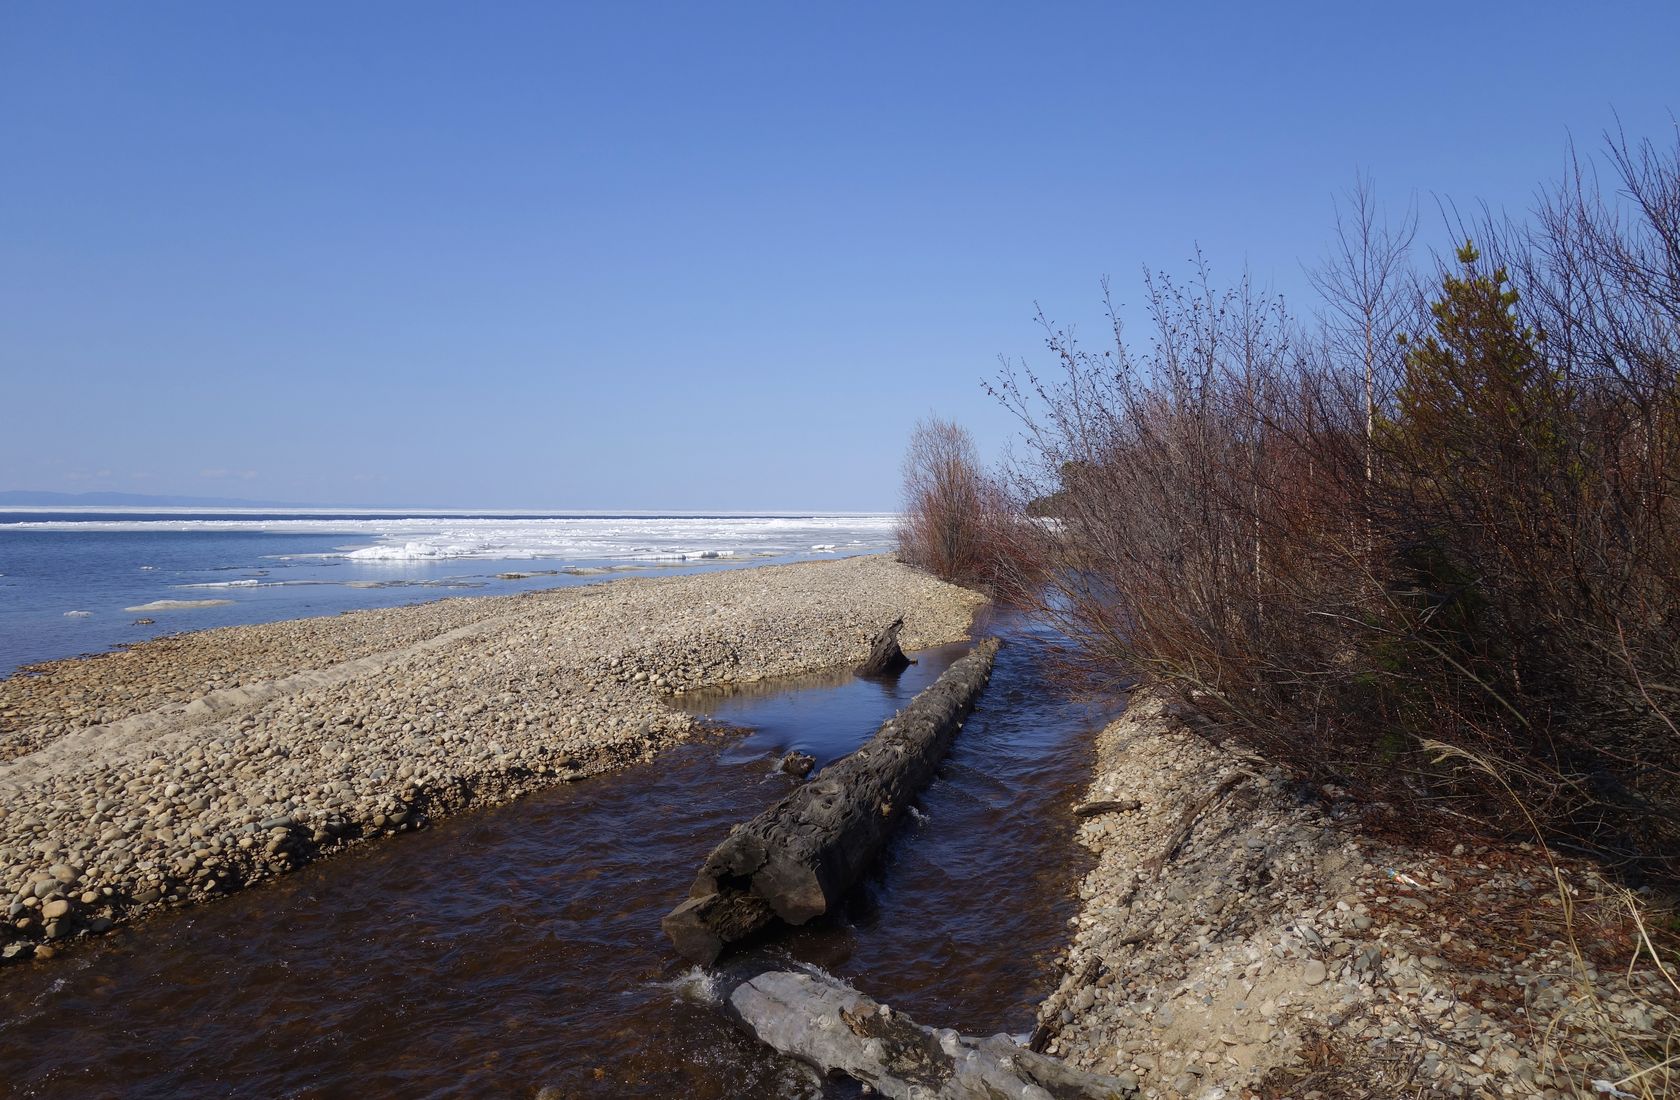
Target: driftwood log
[(1097, 809), (1050, 1013), (798, 858), (1187, 822), (885, 657), (832, 1026)]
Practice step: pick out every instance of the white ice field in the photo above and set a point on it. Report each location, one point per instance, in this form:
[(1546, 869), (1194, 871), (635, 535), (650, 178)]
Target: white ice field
[(559, 537)]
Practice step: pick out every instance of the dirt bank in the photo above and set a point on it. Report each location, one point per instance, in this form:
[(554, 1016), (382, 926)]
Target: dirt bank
[(1237, 937)]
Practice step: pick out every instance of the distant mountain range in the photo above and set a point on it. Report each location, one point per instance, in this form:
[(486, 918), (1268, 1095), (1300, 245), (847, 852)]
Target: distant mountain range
[(31, 498)]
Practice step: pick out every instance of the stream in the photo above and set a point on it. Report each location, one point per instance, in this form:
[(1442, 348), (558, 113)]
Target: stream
[(518, 948)]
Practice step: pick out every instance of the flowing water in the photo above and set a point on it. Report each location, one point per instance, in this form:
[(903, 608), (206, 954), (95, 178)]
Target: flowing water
[(519, 948)]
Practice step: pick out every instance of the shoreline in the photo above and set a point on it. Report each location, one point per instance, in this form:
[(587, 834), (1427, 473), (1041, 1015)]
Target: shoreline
[(71, 580), (1239, 936), (189, 766)]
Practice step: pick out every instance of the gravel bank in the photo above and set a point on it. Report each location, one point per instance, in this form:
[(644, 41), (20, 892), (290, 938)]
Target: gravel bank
[(1259, 947), (187, 767)]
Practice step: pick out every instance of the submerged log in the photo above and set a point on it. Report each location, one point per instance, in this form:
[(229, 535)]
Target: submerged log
[(885, 657), (832, 1026), (798, 858)]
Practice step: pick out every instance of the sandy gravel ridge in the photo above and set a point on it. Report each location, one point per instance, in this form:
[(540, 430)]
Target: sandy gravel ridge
[(187, 767), (1260, 947)]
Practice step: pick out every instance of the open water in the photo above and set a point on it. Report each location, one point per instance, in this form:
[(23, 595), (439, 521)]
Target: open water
[(76, 581)]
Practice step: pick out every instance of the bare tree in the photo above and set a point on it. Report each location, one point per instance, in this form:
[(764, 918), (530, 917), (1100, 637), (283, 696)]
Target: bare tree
[(1365, 283)]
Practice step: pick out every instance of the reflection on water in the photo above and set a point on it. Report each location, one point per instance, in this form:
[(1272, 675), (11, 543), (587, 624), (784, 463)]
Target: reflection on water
[(520, 948), (819, 713)]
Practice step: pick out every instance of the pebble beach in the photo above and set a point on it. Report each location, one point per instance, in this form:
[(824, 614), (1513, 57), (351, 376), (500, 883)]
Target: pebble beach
[(187, 767)]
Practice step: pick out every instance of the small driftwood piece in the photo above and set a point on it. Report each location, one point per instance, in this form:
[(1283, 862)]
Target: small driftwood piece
[(798, 858), (885, 657), (1187, 822), (833, 1027), (1118, 806), (1052, 1012)]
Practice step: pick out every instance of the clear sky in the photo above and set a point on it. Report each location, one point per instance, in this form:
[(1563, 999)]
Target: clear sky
[(687, 255)]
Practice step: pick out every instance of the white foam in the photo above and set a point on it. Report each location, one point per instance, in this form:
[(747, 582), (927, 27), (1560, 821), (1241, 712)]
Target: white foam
[(77, 614), (697, 985), (223, 584)]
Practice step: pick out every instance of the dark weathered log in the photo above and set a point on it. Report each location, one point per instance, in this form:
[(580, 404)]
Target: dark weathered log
[(832, 1026), (885, 658), (798, 858)]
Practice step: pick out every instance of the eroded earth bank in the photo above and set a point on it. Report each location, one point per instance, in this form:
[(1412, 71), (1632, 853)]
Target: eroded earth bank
[(1241, 936)]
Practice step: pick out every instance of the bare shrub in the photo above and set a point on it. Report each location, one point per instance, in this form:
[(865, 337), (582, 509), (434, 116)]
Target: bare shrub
[(1202, 538), (958, 522), (944, 493), (1344, 544)]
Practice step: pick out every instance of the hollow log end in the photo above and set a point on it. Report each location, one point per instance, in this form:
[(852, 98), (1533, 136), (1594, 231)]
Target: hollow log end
[(692, 936), (792, 890), (701, 927)]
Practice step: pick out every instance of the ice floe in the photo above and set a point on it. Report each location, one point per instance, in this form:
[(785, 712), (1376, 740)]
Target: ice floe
[(571, 537), (176, 605)]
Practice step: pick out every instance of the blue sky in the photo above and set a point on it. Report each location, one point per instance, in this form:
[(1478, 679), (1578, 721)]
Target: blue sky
[(685, 255)]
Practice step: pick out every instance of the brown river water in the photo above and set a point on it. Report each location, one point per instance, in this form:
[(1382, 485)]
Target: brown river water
[(518, 948)]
